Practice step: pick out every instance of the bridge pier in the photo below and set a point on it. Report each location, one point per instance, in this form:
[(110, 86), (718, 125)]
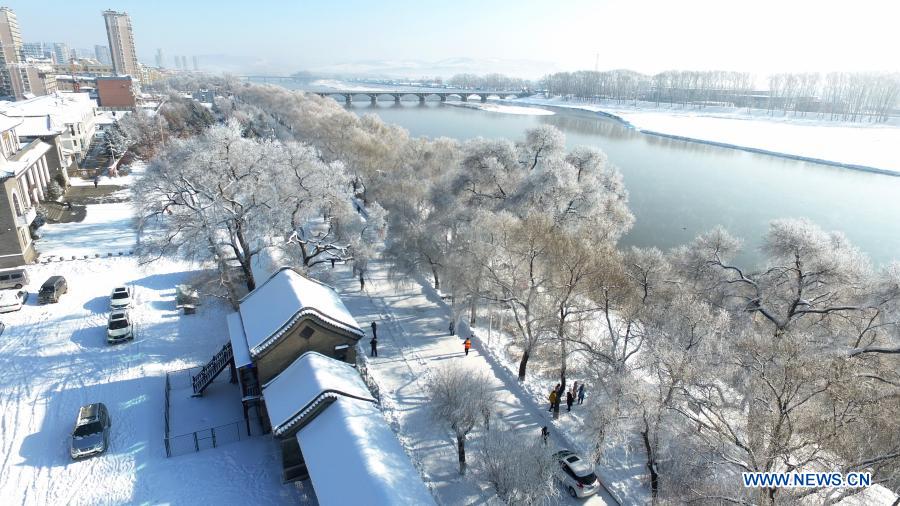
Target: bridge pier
[(483, 98), (396, 98), (374, 98), (443, 98), (464, 98), (348, 98), (421, 98)]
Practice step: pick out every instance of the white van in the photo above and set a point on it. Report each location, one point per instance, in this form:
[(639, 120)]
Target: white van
[(13, 278)]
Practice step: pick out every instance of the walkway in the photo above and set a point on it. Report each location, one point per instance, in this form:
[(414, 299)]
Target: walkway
[(413, 338)]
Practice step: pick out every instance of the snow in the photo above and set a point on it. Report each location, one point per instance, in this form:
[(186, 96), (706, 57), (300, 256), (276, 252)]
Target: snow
[(859, 145), (339, 85), (286, 296), (107, 228), (506, 109), (238, 340), (353, 457), (54, 359), (307, 378)]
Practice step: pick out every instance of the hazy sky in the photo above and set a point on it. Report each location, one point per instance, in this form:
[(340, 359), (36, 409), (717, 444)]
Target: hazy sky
[(645, 35)]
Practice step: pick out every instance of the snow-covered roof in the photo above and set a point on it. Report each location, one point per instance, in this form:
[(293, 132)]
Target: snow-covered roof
[(24, 159), (7, 122), (238, 340), (275, 306), (353, 457), (302, 386), (38, 126), (64, 107)]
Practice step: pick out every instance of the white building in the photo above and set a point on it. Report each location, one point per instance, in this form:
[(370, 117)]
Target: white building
[(72, 115)]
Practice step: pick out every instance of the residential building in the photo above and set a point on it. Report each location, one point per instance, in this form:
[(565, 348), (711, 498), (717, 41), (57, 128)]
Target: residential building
[(36, 50), (116, 92), (121, 43), (84, 67), (101, 54), (184, 63), (159, 59), (196, 63), (10, 49), (29, 80), (61, 53), (25, 174), (72, 113)]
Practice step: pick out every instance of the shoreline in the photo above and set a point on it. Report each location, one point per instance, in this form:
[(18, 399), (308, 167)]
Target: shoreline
[(627, 124)]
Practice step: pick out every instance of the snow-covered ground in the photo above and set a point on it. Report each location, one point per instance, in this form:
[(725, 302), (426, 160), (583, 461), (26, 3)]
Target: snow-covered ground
[(54, 359), (862, 145)]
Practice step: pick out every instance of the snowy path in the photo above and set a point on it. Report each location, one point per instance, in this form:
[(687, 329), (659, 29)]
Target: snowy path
[(413, 338)]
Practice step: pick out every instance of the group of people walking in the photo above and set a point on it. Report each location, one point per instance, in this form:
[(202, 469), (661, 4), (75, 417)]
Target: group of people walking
[(576, 393)]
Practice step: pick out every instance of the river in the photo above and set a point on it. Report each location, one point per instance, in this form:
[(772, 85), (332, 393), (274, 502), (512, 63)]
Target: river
[(678, 189)]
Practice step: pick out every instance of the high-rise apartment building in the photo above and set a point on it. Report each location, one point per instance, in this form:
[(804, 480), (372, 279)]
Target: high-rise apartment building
[(62, 55), (101, 53), (121, 44), (10, 49), (196, 63), (160, 61), (36, 50)]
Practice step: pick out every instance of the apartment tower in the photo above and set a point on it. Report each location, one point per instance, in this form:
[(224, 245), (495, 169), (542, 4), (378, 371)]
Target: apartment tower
[(10, 48), (121, 44)]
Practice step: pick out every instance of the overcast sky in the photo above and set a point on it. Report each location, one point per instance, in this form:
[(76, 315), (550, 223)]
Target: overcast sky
[(644, 35)]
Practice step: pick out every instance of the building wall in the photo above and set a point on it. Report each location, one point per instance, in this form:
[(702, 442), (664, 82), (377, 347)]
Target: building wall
[(115, 93), (10, 48), (16, 246), (323, 340)]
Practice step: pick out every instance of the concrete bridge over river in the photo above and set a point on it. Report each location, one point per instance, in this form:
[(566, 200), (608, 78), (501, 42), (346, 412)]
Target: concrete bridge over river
[(422, 95)]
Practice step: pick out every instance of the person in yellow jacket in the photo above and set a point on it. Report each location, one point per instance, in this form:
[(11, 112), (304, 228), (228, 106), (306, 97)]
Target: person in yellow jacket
[(552, 399)]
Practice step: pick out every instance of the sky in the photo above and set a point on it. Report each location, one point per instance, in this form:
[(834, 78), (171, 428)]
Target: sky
[(517, 36)]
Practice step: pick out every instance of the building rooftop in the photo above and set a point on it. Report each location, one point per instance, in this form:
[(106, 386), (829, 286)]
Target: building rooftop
[(274, 306), (64, 107), (7, 122), (26, 157)]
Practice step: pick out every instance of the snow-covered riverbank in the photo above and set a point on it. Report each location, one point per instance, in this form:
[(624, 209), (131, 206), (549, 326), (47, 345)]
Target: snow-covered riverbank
[(862, 146)]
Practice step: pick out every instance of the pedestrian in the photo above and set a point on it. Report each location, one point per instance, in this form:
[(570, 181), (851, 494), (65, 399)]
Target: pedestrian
[(581, 394), (552, 399), (374, 330), (374, 343), (545, 434), (332, 262), (574, 389), (570, 399), (96, 180), (467, 345), (452, 328), (362, 282)]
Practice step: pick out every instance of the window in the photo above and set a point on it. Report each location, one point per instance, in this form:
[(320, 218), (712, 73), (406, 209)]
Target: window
[(16, 204), (307, 332)]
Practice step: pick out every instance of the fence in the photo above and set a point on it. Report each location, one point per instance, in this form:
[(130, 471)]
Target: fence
[(208, 438)]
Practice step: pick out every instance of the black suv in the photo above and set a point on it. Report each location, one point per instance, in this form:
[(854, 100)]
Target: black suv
[(52, 289)]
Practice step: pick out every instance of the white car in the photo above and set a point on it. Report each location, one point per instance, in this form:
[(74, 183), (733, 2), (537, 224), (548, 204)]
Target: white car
[(119, 327), (12, 300), (576, 474), (120, 298)]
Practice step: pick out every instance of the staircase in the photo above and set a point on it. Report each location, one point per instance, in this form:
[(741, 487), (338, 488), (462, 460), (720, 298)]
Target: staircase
[(212, 369)]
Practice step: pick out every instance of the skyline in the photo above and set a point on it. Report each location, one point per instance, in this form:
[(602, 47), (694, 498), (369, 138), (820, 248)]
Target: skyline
[(523, 38)]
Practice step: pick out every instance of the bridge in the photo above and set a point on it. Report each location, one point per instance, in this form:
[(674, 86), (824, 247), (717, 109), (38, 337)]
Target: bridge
[(422, 95)]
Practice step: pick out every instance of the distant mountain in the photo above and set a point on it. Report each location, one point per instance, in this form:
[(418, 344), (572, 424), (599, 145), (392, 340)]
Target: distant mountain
[(446, 68)]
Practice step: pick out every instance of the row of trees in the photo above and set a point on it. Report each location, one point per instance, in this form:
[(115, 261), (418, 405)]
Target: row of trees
[(488, 82), (844, 96), (717, 370)]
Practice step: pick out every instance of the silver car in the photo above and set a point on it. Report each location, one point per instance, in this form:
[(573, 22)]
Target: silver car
[(576, 474), (91, 434)]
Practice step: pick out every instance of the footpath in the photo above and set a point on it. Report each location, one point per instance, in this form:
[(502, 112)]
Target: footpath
[(413, 338)]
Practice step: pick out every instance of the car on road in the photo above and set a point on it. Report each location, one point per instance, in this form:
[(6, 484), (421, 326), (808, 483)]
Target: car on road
[(576, 474), (119, 327), (120, 298), (52, 289), (12, 300), (91, 434), (13, 278)]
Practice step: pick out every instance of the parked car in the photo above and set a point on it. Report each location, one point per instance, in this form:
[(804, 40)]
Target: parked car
[(12, 301), (576, 474), (119, 327), (13, 278), (52, 289), (120, 298), (91, 433)]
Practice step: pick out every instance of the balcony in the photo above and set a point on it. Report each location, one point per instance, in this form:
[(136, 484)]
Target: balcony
[(27, 217)]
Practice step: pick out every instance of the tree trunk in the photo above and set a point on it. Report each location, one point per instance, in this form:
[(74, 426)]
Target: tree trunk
[(437, 279), (473, 314), (651, 461), (522, 365), (461, 449)]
